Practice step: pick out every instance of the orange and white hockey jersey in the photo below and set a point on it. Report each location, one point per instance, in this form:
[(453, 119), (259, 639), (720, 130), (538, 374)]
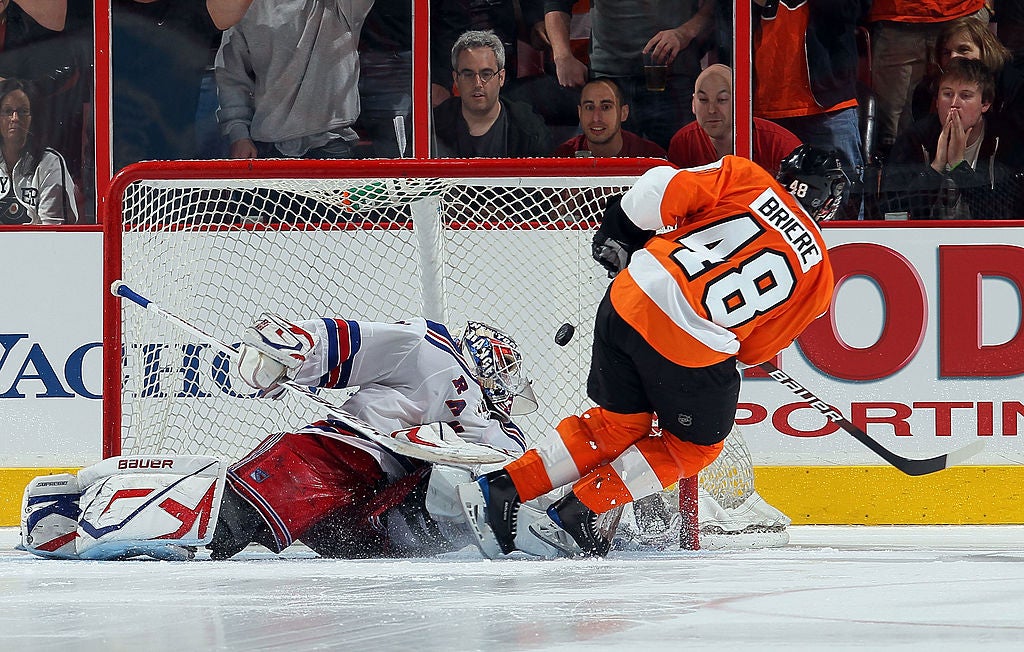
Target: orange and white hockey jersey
[(742, 271)]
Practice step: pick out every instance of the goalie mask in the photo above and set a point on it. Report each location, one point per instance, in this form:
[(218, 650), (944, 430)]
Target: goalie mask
[(495, 359), (817, 180)]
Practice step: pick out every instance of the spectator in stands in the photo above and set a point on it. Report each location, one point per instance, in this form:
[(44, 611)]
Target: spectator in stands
[(710, 136), (385, 78), (48, 45), (960, 162), (537, 82), (479, 122), (602, 111), (159, 56), (621, 32), (903, 35), (27, 23), (971, 38), (287, 79), (35, 184), (210, 142), (813, 95), (30, 41), (450, 19)]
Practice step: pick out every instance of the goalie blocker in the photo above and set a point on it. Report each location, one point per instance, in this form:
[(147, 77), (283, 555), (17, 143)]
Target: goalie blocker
[(162, 506)]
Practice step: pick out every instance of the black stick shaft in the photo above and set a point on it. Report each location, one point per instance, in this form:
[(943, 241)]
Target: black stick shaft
[(904, 464)]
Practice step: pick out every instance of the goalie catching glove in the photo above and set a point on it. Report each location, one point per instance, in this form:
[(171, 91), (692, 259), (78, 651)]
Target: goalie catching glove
[(272, 351), (617, 238)]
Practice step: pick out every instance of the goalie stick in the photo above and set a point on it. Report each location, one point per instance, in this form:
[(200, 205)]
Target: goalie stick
[(418, 442), (904, 464)]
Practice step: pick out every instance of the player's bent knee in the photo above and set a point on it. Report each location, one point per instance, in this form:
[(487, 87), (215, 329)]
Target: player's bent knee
[(691, 458)]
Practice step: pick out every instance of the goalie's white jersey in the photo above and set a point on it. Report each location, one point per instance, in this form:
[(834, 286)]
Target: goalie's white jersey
[(408, 373)]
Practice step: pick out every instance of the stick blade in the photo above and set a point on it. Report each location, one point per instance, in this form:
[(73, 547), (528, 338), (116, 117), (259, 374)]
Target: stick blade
[(962, 455), (934, 464)]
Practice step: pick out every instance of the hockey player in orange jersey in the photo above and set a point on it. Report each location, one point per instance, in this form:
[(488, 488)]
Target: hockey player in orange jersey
[(737, 270)]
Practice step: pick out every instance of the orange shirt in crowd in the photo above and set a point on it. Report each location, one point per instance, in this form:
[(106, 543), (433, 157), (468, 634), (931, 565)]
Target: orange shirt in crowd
[(783, 75), (922, 11)]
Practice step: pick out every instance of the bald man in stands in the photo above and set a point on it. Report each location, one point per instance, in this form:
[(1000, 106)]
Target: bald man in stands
[(710, 136), (602, 112)]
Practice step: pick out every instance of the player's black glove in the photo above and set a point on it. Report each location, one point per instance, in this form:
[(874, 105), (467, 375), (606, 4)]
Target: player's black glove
[(617, 238), (611, 253)]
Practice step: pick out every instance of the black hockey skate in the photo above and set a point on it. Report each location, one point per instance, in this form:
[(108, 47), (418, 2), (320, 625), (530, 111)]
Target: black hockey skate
[(589, 533), (238, 525), (491, 505)]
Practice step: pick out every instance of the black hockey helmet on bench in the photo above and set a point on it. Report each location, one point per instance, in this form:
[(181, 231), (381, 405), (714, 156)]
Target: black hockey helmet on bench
[(817, 179), (497, 363)]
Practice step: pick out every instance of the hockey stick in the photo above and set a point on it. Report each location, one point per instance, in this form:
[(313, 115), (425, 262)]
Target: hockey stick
[(421, 443), (907, 465)]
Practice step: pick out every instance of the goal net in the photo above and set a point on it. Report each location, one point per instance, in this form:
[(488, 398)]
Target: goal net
[(502, 242)]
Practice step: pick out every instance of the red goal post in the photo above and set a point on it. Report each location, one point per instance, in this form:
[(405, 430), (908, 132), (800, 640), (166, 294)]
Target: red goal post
[(504, 241)]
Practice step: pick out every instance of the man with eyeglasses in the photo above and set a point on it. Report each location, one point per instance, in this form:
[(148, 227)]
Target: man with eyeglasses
[(478, 122)]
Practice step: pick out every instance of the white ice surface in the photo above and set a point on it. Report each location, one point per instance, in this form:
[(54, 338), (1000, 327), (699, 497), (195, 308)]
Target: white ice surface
[(834, 588)]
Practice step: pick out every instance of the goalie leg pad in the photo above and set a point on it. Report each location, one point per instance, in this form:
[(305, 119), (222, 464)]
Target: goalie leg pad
[(49, 516), (159, 506), (530, 518)]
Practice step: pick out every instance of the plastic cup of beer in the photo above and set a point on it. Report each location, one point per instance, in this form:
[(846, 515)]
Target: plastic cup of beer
[(655, 72)]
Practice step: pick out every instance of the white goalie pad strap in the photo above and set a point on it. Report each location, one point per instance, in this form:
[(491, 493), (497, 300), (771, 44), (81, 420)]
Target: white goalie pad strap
[(148, 505), (49, 516)]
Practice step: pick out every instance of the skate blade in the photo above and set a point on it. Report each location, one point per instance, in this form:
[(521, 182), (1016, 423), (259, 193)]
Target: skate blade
[(550, 533), (527, 541), (471, 499)]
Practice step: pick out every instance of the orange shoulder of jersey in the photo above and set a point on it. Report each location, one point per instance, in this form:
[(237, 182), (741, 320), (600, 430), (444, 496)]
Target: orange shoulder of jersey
[(744, 272)]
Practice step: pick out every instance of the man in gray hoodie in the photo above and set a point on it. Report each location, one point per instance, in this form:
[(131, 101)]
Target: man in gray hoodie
[(287, 79)]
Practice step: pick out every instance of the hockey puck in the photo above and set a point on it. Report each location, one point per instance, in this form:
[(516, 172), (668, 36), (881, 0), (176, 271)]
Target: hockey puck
[(564, 334)]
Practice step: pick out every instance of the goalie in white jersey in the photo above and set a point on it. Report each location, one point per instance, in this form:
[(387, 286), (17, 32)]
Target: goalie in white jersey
[(324, 484)]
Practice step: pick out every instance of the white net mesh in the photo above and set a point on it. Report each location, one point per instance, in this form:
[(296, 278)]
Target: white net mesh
[(511, 251), (730, 478)]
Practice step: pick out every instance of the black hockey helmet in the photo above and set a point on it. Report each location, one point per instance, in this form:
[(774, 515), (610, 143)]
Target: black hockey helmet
[(817, 180)]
